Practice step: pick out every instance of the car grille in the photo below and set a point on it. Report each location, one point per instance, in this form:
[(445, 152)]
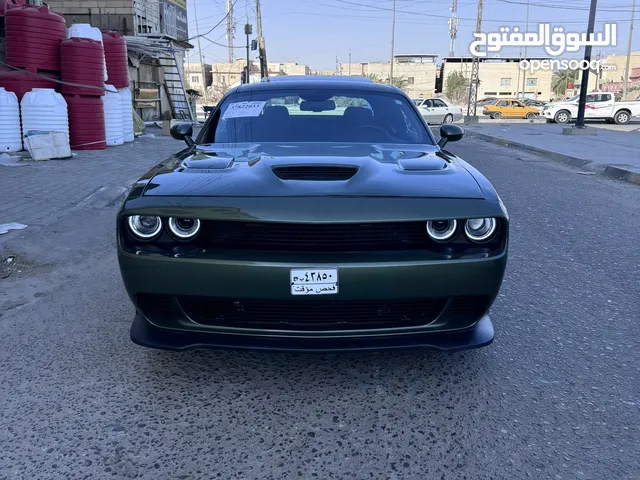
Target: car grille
[(315, 172), (335, 237), (309, 315)]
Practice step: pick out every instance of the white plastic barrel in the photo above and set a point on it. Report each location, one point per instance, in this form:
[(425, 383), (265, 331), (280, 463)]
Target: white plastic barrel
[(127, 114), (113, 116), (84, 30), (10, 138), (44, 109)]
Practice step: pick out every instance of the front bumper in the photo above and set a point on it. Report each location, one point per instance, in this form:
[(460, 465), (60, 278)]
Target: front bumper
[(145, 334), (258, 281)]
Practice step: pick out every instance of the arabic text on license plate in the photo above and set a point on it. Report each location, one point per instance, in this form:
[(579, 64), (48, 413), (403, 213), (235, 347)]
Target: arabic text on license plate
[(314, 281)]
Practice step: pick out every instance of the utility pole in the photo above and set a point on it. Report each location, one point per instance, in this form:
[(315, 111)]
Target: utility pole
[(349, 62), (585, 73), (204, 78), (626, 69), (524, 73), (247, 31), (475, 69), (338, 70), (262, 51), (231, 29), (453, 28), (393, 41)]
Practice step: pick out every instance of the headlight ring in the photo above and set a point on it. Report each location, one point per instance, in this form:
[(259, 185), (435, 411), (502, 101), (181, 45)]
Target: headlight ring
[(144, 227), (441, 230), (184, 228), (480, 229)]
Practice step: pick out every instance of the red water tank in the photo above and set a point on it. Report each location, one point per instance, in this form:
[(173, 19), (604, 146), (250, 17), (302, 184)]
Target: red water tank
[(22, 82), (81, 63), (86, 122), (115, 55), (33, 36), (9, 4)]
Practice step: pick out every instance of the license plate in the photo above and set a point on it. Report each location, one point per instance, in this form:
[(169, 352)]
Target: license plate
[(314, 281)]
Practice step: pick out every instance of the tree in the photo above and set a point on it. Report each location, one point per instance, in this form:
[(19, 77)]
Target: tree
[(560, 80), (456, 87), (399, 82), (374, 77)]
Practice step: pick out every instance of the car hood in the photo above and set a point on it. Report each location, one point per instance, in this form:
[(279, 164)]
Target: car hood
[(251, 170)]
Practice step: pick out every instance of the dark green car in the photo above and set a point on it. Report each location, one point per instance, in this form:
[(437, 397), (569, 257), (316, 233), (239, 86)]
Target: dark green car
[(313, 214)]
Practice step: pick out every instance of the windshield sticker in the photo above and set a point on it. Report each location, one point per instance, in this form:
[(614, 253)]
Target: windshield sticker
[(243, 109)]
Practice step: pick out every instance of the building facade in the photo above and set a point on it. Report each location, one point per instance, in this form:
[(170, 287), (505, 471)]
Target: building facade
[(129, 17), (501, 77), (156, 32), (415, 73), (193, 76)]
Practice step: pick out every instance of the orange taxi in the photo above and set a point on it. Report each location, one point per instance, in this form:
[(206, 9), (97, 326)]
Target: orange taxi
[(509, 108)]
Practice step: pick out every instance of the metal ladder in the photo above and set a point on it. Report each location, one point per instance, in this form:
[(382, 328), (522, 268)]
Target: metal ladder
[(174, 86)]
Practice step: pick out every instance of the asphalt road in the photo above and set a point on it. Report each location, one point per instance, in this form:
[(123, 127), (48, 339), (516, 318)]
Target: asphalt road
[(556, 396)]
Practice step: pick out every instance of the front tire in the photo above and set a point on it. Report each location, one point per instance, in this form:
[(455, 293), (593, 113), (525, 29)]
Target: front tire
[(563, 116), (622, 117), (448, 118), (497, 116)]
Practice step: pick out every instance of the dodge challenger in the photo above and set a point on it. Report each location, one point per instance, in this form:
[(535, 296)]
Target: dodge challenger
[(313, 215)]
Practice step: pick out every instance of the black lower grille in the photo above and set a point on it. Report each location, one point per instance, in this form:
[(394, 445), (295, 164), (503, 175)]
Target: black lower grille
[(309, 237), (158, 306), (471, 306), (311, 314)]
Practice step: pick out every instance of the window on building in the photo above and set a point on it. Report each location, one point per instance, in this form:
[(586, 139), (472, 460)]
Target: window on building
[(505, 94), (195, 78), (532, 82), (411, 80), (490, 93), (505, 82)]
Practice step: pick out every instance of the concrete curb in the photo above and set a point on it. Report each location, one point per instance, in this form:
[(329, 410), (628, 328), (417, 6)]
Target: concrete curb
[(619, 172)]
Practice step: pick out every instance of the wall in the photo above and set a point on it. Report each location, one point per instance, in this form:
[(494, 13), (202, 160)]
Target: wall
[(114, 15), (420, 75), (503, 79), (620, 62), (193, 76)]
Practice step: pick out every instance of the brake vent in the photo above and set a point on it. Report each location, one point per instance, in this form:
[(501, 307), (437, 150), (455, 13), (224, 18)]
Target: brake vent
[(315, 172)]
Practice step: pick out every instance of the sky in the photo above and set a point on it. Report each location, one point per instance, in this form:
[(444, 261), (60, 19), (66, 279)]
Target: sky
[(314, 32)]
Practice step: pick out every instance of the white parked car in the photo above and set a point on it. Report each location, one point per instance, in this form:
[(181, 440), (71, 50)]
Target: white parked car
[(599, 106), (438, 110)]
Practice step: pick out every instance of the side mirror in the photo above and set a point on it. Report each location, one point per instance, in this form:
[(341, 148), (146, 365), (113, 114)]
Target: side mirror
[(449, 133), (183, 131)]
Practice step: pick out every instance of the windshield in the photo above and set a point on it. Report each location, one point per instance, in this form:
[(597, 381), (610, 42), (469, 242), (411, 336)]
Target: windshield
[(316, 115), (574, 98)]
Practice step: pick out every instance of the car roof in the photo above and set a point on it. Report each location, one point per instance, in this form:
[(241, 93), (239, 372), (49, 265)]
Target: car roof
[(317, 82)]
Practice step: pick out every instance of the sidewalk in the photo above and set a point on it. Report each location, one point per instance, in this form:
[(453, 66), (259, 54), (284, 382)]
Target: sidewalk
[(37, 194), (611, 153)]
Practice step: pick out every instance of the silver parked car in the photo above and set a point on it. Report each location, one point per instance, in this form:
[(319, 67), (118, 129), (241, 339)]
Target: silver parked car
[(438, 110)]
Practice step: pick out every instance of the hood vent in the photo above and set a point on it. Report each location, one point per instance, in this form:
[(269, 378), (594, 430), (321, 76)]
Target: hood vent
[(315, 172)]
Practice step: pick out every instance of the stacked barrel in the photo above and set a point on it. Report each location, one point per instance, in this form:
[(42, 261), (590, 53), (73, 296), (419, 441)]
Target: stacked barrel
[(115, 54), (32, 35), (83, 77)]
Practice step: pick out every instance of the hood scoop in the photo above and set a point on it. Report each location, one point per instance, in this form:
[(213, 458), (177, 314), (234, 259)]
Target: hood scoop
[(425, 162), (208, 161), (315, 172)]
